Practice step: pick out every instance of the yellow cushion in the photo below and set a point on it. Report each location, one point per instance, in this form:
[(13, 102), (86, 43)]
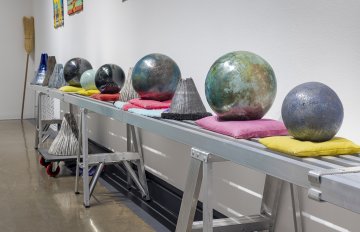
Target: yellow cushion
[(70, 89), (291, 146), (88, 92)]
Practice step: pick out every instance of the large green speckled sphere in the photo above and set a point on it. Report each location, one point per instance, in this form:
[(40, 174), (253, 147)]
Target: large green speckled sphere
[(240, 86)]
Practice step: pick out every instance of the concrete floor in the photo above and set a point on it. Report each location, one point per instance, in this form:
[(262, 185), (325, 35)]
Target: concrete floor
[(30, 200)]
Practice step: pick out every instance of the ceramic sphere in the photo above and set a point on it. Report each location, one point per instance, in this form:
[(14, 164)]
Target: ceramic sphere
[(155, 77), (73, 70), (240, 86), (312, 112), (109, 78), (87, 79)]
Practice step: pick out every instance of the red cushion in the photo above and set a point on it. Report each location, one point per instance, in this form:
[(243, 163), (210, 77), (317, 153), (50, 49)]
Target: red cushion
[(150, 104), (106, 97), (244, 129)]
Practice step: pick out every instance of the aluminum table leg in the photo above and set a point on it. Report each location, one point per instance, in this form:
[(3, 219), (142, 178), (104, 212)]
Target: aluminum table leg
[(296, 208), (271, 198), (129, 148), (190, 197), (77, 170), (84, 143), (38, 135), (207, 202)]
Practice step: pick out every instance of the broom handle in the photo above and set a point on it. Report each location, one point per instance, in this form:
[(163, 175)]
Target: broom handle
[(23, 98)]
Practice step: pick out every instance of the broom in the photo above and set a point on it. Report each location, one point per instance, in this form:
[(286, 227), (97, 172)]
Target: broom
[(67, 141), (29, 32)]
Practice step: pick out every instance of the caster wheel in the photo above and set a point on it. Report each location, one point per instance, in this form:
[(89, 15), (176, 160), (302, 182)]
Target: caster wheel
[(50, 172), (43, 162)]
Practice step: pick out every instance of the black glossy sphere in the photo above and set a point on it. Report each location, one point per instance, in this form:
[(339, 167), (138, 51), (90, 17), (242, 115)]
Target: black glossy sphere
[(73, 70), (109, 78), (312, 112)]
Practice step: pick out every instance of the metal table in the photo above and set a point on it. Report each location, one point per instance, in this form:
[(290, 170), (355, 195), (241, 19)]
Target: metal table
[(332, 179)]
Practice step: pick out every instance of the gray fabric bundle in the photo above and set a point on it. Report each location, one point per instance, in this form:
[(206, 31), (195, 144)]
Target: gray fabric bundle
[(57, 79), (51, 62), (67, 141), (127, 92)]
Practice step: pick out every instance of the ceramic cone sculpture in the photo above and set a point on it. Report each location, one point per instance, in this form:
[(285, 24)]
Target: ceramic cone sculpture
[(128, 92), (186, 103)]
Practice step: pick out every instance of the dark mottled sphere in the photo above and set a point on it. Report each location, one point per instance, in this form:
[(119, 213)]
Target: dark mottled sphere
[(73, 70), (109, 78), (240, 86), (155, 77), (312, 112)]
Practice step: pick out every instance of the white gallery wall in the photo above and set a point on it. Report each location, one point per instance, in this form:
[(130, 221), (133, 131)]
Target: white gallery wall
[(302, 40), (13, 60)]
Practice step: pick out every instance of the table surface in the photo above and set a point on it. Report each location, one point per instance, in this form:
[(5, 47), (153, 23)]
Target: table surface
[(340, 189)]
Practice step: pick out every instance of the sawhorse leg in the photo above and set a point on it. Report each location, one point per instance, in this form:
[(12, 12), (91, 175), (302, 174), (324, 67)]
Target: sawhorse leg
[(201, 170), (296, 208), (140, 163), (133, 143)]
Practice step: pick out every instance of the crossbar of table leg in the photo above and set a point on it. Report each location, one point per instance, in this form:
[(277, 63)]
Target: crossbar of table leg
[(95, 178), (245, 223), (134, 178)]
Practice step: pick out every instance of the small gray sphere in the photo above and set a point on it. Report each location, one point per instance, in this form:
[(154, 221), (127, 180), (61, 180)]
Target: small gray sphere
[(312, 112)]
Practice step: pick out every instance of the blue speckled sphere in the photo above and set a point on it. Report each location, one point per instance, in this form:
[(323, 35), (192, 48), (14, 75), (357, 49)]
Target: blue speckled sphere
[(312, 112), (73, 70), (240, 86), (109, 78), (155, 77)]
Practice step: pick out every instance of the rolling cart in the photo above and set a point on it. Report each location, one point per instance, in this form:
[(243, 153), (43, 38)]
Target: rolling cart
[(132, 156), (43, 133)]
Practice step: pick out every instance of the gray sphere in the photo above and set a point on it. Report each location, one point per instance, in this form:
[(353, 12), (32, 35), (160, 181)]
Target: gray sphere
[(312, 112), (73, 70), (155, 77)]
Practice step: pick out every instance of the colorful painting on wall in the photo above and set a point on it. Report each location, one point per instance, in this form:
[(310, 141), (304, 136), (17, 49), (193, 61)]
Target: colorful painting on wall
[(58, 6), (74, 6)]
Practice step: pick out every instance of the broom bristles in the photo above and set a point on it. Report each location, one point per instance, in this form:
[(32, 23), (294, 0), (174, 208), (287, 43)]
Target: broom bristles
[(29, 34)]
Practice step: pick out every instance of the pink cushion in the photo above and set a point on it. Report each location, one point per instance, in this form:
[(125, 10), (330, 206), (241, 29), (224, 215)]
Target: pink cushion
[(244, 129), (151, 104), (128, 106)]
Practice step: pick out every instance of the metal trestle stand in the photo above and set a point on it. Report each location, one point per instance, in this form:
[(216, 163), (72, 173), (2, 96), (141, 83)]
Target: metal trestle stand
[(133, 154)]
